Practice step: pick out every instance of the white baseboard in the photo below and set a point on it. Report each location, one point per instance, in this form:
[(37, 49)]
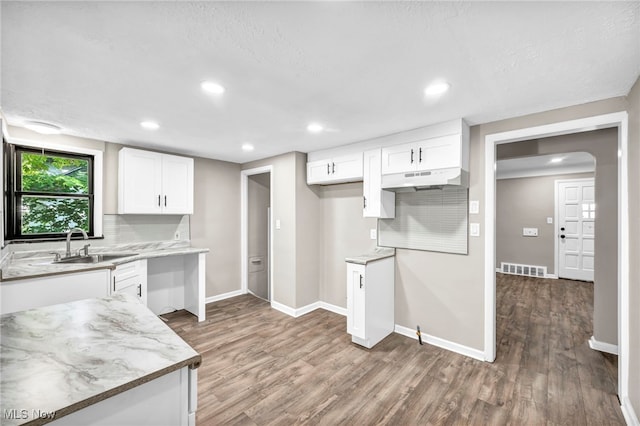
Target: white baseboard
[(441, 343), (293, 312), (603, 347), (629, 413), (224, 296)]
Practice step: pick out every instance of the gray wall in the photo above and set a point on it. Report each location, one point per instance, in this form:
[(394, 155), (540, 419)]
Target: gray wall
[(345, 233), (527, 202), (634, 249)]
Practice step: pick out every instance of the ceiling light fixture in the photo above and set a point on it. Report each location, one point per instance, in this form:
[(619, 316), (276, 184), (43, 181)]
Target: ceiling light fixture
[(247, 147), (43, 128), (315, 128), (149, 125), (557, 160), (438, 88), (212, 87)]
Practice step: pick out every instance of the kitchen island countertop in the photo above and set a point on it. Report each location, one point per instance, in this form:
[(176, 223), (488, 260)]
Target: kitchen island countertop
[(62, 358)]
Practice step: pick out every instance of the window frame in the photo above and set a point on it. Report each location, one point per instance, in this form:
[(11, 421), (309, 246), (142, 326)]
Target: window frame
[(11, 233)]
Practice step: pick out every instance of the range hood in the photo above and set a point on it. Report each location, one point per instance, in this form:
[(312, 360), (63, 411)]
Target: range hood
[(428, 179)]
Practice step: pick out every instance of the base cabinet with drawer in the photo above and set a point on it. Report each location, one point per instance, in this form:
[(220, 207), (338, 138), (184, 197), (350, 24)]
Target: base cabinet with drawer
[(131, 278), (370, 301)]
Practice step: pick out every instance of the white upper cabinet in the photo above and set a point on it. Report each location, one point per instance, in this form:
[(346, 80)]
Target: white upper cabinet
[(154, 183), (346, 168), (376, 202), (429, 154)]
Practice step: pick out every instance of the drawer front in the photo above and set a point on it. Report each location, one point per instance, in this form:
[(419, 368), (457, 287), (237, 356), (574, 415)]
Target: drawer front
[(128, 282), (126, 271)]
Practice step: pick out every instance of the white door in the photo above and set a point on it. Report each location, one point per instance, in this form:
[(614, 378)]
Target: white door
[(318, 171), (356, 300), (177, 185), (347, 166), (576, 229), (140, 182), (399, 158), (439, 153)]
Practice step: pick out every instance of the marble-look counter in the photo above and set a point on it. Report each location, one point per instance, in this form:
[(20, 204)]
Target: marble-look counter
[(62, 358), (377, 254), (20, 265)]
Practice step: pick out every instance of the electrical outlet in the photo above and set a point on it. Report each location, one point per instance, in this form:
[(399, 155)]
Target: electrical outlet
[(474, 207), (176, 236), (373, 234)]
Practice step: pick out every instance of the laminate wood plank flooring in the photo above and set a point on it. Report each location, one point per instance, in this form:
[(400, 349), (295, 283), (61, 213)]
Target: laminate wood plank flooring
[(262, 367)]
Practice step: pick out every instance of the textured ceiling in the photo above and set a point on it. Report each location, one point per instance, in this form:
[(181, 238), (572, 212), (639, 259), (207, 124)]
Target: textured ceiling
[(99, 68)]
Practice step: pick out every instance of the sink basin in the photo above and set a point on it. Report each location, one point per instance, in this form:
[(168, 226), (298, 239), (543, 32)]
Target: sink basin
[(94, 258)]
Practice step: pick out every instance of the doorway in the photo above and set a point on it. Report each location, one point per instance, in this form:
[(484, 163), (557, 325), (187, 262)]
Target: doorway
[(615, 120), (258, 235)]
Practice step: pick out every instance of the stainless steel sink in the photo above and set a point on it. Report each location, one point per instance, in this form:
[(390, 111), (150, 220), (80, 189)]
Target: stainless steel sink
[(94, 258)]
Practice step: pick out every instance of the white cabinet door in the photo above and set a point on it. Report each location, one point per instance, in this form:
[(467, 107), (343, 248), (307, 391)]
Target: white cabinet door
[(139, 182), (347, 168), (32, 293), (439, 153), (153, 183), (376, 202), (318, 171), (356, 302), (399, 158), (177, 185)]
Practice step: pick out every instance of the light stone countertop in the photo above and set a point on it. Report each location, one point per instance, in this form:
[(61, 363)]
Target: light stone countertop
[(377, 254), (63, 358), (20, 265)]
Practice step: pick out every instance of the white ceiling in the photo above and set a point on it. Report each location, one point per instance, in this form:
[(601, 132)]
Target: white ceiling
[(542, 165), (99, 68)]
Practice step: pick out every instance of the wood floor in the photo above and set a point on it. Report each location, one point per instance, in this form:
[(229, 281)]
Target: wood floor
[(263, 367)]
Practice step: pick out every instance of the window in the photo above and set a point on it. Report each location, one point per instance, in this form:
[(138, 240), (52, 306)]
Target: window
[(48, 192)]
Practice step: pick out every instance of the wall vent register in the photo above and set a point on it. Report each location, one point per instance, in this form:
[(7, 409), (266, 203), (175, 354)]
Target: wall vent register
[(525, 270)]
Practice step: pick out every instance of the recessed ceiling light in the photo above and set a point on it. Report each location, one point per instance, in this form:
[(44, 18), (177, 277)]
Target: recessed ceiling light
[(247, 147), (315, 127), (557, 160), (149, 125), (43, 128), (212, 87), (438, 88)]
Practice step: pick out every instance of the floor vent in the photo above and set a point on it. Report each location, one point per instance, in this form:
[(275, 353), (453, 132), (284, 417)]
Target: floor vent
[(526, 270)]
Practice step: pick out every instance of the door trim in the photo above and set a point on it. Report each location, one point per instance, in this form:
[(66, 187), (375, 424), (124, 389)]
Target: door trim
[(556, 216), (244, 227), (617, 120)]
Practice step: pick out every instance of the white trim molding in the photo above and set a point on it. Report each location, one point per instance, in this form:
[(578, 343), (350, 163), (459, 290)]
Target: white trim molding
[(628, 412), (298, 312), (617, 120), (596, 345), (223, 296), (441, 343)]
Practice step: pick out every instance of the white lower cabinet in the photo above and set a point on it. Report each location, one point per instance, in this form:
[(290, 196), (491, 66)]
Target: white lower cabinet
[(131, 278), (370, 301), (30, 293)]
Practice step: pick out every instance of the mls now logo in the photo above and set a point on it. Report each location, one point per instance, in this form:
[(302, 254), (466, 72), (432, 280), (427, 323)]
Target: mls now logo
[(15, 414)]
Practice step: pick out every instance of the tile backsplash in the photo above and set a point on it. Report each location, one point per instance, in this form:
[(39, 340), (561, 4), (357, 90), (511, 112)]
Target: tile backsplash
[(121, 229)]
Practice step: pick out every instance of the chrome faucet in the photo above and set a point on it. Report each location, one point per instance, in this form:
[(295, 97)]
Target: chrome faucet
[(84, 235)]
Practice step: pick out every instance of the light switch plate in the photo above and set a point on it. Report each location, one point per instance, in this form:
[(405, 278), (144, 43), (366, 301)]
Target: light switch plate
[(474, 207), (373, 234), (550, 220), (474, 229), (277, 223)]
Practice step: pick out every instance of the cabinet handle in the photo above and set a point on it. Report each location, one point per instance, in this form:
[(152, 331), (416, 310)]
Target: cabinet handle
[(165, 201), (411, 155), (420, 156), (139, 290), (328, 169), (158, 200), (114, 283), (360, 281), (333, 167), (365, 202)]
